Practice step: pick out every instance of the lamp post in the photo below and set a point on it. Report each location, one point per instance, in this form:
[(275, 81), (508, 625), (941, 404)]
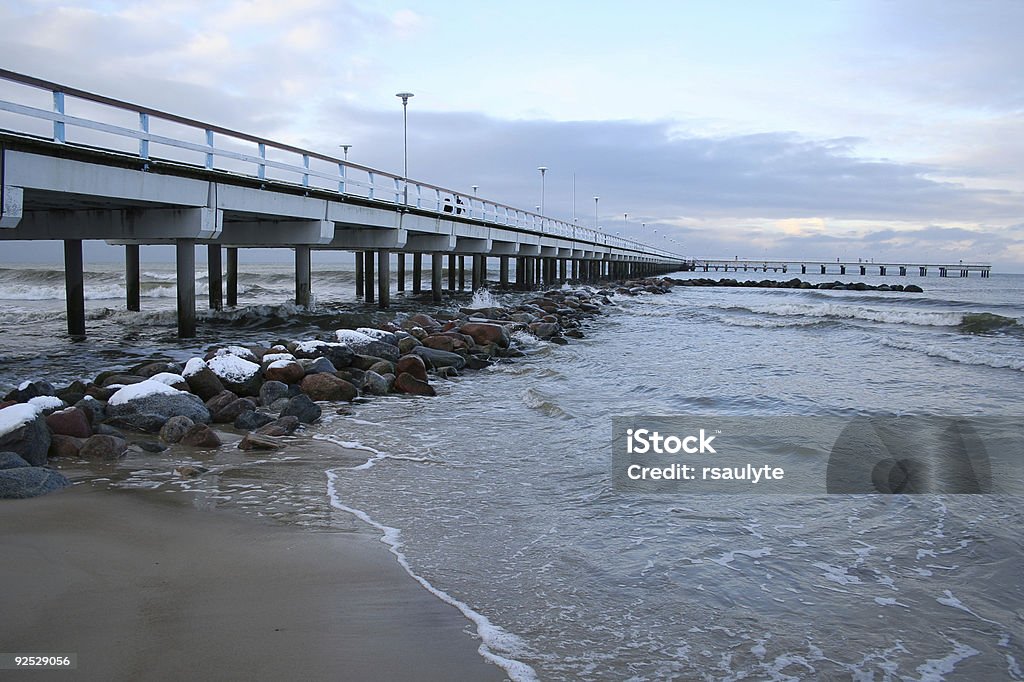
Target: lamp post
[(345, 148), (595, 212), (543, 170), (475, 188), (405, 140)]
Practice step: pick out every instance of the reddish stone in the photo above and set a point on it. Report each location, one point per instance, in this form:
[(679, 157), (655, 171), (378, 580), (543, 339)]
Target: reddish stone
[(201, 436), (484, 333), (407, 383), (412, 364), (440, 342), (70, 422), (65, 446), (288, 373), (324, 386)]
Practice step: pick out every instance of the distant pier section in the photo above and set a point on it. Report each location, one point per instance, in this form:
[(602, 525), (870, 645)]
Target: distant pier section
[(863, 268)]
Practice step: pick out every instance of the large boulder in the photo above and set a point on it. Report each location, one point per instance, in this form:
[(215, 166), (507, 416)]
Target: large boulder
[(285, 371), (148, 405), (175, 429), (407, 383), (439, 358), (412, 364), (22, 482), (30, 389), (379, 335), (367, 345), (237, 374), (272, 391), (103, 447), (302, 408), (339, 354), (328, 387), (70, 422), (201, 436), (484, 333), (376, 384), (201, 379), (65, 446), (252, 420), (320, 364), (12, 460), (23, 431)]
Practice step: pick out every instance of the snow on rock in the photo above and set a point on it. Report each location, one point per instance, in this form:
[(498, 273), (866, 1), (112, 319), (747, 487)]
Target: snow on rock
[(282, 363), (193, 367), (141, 390), (16, 416), (47, 402), (377, 334), (309, 346), (233, 368), (353, 338), (168, 378), (276, 357), (238, 352)]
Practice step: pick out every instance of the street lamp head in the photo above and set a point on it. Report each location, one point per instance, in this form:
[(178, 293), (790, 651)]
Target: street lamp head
[(542, 169), (405, 97)]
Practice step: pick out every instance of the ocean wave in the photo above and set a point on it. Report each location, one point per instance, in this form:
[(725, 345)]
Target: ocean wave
[(536, 400), (963, 356), (846, 312), (494, 639), (103, 292), (773, 324)]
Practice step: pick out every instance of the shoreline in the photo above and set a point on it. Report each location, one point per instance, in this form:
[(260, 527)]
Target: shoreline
[(142, 586)]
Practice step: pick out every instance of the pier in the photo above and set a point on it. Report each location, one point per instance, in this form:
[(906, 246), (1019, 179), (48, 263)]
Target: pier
[(75, 165), (826, 267)]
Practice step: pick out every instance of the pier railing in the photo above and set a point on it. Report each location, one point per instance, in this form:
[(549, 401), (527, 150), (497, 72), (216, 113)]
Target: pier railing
[(45, 110)]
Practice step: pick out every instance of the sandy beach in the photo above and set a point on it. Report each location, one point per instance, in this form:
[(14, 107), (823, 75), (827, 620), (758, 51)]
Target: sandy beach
[(144, 587)]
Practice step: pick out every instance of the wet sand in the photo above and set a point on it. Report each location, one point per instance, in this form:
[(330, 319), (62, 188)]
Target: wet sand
[(143, 587)]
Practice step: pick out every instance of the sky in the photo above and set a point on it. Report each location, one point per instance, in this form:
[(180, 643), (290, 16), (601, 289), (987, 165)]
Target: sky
[(891, 130)]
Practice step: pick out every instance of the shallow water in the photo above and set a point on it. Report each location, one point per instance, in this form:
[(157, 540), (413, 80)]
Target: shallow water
[(498, 495)]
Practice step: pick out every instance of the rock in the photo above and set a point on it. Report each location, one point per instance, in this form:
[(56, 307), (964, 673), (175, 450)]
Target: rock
[(148, 370), (375, 384), (379, 335), (47, 404), (70, 422), (240, 352), (447, 372), (272, 391), (412, 364), (285, 426), (237, 374), (544, 330), (339, 354), (418, 333), (250, 420), (23, 431), (407, 383), (201, 436), (120, 380), (256, 441), (220, 401), (424, 321), (151, 446), (74, 392), (439, 358), (148, 406), (367, 345), (175, 429), (65, 446), (103, 447), (473, 362), (94, 409), (407, 344), (441, 342), (302, 408), (913, 289), (201, 379), (574, 333), (484, 333), (30, 389), (365, 362), (328, 387), (190, 470), (382, 367), (230, 412), (352, 375), (11, 460), (285, 371), (26, 482), (173, 380)]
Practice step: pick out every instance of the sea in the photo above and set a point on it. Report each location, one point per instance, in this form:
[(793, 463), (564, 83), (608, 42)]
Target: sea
[(497, 495)]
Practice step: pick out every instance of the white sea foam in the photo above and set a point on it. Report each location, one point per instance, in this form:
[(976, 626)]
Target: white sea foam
[(483, 298), (846, 312), (497, 645), (963, 356), (935, 669)]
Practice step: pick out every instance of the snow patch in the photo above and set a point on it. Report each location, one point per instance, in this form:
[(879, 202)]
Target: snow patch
[(47, 402), (16, 416), (238, 352), (142, 389), (275, 357), (233, 368), (194, 367), (168, 378), (351, 336)]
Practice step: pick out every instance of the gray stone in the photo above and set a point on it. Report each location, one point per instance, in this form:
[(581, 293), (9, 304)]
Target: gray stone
[(256, 441), (318, 365), (31, 441), (376, 384), (271, 391), (201, 436), (175, 429), (12, 460), (439, 358), (103, 447), (150, 412), (252, 420), (205, 383), (32, 389), (285, 426), (302, 408), (25, 482)]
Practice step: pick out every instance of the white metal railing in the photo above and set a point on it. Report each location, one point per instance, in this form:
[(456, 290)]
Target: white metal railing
[(220, 149)]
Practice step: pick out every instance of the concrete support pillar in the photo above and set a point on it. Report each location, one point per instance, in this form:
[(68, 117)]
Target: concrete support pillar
[(215, 276), (842, 269), (503, 271), (185, 260), (131, 277), (232, 275), (368, 283), (435, 276), (303, 277), (476, 272), (561, 270), (359, 274), (400, 273), (74, 286), (383, 279), (575, 268), (417, 273), (462, 273), (451, 272)]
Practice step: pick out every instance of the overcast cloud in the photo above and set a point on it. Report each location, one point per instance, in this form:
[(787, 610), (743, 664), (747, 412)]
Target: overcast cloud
[(854, 129)]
